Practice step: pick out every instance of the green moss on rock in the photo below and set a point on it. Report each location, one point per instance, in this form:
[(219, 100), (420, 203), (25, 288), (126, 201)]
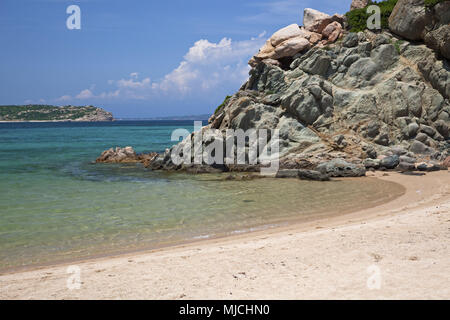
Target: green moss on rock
[(357, 19)]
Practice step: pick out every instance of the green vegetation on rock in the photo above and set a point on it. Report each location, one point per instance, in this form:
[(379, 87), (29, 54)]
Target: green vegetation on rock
[(222, 105), (357, 19), (52, 113), (397, 45)]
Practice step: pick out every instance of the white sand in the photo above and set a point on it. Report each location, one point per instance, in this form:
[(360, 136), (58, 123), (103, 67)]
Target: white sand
[(405, 244)]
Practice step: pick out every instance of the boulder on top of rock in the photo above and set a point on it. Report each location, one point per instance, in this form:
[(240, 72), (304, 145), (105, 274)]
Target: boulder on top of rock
[(285, 42), (413, 21), (409, 19), (291, 31), (332, 31), (291, 47), (316, 21)]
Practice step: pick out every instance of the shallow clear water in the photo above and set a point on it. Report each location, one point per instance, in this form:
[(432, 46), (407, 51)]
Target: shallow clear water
[(56, 205)]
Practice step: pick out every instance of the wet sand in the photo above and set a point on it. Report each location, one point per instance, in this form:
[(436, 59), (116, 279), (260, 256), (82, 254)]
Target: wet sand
[(398, 250)]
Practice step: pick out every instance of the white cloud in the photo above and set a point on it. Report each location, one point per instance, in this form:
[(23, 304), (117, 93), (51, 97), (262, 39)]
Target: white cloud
[(130, 83), (85, 94), (64, 98), (205, 67)]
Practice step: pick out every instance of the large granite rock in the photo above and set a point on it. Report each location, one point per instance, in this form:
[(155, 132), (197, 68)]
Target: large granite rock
[(320, 29), (316, 21), (364, 98), (285, 43), (409, 19), (439, 40), (413, 21)]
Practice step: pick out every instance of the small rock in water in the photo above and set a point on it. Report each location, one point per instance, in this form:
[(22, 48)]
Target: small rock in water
[(118, 155), (341, 168)]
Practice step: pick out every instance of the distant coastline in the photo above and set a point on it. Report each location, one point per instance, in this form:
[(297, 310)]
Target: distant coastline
[(48, 113), (50, 121)]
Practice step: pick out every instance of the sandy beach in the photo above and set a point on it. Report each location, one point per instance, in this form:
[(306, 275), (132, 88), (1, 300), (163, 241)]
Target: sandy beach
[(399, 250)]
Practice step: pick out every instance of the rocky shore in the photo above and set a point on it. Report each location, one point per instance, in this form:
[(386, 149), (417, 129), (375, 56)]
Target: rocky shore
[(345, 102)]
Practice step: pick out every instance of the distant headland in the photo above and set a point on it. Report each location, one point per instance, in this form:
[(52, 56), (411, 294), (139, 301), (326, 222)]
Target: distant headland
[(32, 113)]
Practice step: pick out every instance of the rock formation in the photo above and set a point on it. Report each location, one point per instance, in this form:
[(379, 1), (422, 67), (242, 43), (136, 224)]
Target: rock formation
[(370, 101), (412, 20), (125, 155), (319, 29)]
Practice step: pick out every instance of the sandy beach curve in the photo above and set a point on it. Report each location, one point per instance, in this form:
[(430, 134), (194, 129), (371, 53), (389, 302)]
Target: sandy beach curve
[(398, 250)]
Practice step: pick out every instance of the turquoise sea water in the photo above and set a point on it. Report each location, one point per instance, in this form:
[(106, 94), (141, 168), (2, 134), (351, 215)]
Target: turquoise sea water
[(56, 205)]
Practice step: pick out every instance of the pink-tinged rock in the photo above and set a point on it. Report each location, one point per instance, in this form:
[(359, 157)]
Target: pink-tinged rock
[(291, 31), (291, 47), (332, 31), (316, 21), (314, 38), (358, 4), (267, 51), (329, 29)]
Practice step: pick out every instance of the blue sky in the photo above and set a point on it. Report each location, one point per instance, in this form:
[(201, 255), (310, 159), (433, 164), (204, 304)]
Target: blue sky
[(137, 58)]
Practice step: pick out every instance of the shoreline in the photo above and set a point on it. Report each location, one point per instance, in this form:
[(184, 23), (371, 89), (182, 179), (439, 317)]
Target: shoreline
[(422, 193), (265, 227)]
